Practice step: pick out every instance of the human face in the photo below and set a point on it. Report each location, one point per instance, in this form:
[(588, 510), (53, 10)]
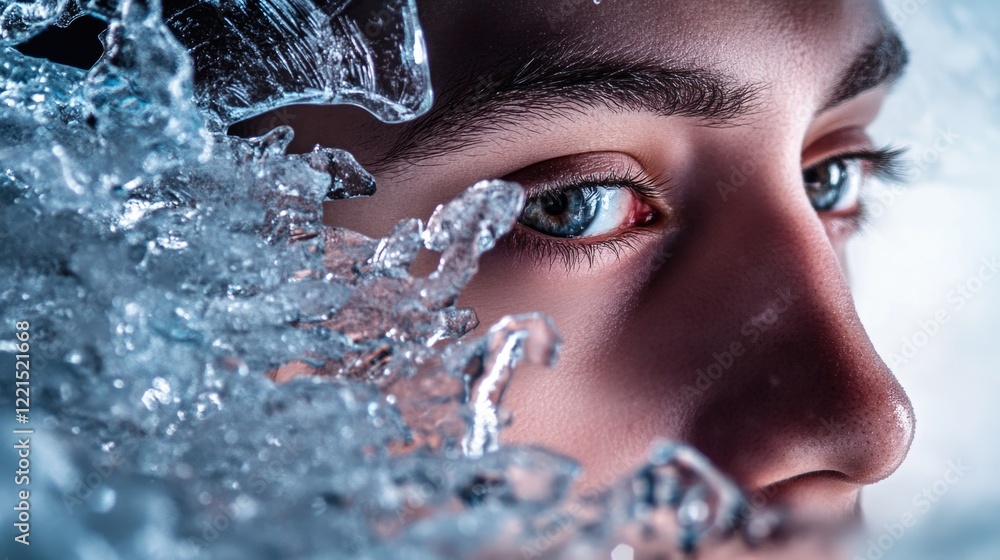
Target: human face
[(699, 287)]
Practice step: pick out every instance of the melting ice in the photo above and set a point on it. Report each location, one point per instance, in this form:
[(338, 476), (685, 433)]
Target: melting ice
[(171, 273)]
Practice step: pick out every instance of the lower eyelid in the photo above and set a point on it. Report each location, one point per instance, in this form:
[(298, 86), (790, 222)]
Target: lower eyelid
[(848, 224), (572, 253)]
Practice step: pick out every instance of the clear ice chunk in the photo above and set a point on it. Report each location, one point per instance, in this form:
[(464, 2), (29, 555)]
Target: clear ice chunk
[(702, 501), (288, 51), (20, 20), (532, 339), (304, 51)]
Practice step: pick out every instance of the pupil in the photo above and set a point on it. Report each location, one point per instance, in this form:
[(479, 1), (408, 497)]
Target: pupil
[(825, 183), (561, 214), (555, 204)]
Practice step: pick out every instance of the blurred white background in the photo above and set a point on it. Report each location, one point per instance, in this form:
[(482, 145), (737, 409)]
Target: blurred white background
[(926, 245)]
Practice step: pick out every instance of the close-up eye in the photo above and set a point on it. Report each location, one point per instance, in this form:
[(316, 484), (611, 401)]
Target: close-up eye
[(582, 206), (584, 211), (833, 185)]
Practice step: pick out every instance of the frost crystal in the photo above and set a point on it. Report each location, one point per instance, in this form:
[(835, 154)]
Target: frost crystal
[(171, 274)]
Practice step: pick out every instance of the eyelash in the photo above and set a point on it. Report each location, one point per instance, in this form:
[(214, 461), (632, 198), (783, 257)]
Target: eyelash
[(572, 253), (886, 164), (632, 179)]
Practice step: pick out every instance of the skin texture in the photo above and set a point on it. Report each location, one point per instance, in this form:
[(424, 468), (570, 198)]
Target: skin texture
[(805, 413)]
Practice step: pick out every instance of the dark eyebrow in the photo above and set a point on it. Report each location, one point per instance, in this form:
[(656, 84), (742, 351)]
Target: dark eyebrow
[(555, 81), (881, 62)]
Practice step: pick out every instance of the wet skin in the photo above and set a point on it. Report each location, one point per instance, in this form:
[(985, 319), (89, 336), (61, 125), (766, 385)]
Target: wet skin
[(715, 309)]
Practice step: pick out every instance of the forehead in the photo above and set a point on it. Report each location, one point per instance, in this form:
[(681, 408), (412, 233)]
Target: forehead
[(755, 39)]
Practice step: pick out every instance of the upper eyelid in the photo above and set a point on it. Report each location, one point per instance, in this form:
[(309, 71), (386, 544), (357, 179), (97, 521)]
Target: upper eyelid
[(859, 150), (638, 181), (888, 163)]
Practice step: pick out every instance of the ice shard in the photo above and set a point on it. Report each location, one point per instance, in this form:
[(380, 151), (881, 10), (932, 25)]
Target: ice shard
[(304, 51), (287, 51), (21, 20)]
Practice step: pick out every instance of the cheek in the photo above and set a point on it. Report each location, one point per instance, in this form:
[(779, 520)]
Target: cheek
[(587, 305), (591, 309), (585, 406), (839, 232)]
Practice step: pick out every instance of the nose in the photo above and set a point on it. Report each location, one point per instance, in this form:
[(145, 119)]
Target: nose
[(796, 404)]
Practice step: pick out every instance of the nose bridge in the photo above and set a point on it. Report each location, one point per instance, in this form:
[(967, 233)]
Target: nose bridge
[(809, 394)]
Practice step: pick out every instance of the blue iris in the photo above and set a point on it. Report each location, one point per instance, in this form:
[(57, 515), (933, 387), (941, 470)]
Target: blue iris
[(564, 213)]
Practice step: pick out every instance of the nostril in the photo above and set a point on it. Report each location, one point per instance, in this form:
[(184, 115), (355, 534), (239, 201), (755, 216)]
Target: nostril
[(870, 435), (827, 495)]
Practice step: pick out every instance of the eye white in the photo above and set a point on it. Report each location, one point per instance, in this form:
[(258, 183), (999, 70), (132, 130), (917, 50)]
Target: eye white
[(613, 208), (851, 190)]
